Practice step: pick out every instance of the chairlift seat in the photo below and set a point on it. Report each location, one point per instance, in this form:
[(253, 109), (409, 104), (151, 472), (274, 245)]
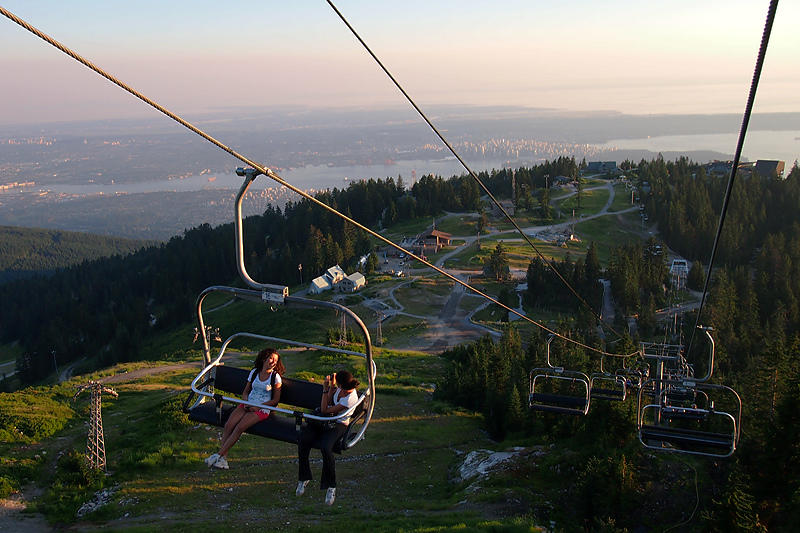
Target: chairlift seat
[(297, 394), (690, 438), (683, 413), (556, 403), (680, 395), (608, 394)]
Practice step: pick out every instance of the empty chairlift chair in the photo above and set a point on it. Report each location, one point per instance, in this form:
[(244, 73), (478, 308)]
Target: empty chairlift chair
[(684, 414), (604, 385), (556, 390)]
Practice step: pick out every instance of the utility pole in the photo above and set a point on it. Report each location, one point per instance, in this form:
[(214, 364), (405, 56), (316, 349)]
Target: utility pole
[(380, 332), (95, 443)]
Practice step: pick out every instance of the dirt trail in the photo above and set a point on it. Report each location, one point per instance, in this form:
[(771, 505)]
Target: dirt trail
[(12, 518)]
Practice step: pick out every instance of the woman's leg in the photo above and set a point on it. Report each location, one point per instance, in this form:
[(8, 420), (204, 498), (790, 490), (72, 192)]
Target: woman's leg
[(249, 419), (308, 435), (236, 415), (329, 438)]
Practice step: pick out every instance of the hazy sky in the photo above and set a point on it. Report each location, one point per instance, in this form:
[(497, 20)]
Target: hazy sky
[(638, 57)]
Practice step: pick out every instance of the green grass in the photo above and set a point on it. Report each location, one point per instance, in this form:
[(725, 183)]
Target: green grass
[(607, 232), (397, 478), (592, 201), (471, 301), (459, 225), (622, 198), (519, 252), (10, 352), (408, 228), (399, 330), (523, 218), (424, 296)]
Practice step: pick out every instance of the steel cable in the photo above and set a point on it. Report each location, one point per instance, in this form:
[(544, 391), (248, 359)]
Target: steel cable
[(762, 51), (275, 177), (469, 170)]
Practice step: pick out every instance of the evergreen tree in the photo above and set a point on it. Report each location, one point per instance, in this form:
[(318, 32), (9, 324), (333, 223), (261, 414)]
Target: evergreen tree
[(697, 276), (496, 265), (372, 263)]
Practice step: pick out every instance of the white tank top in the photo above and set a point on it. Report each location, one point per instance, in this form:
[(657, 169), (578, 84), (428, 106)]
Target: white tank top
[(261, 391)]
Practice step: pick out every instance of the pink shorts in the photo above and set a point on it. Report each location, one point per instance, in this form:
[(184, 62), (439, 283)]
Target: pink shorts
[(263, 414)]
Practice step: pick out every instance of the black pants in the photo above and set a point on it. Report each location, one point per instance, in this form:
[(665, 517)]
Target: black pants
[(327, 438)]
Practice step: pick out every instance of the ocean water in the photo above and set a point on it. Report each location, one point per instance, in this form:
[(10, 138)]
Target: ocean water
[(308, 177), (759, 144)]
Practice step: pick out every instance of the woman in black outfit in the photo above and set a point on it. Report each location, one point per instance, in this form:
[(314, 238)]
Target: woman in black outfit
[(338, 395)]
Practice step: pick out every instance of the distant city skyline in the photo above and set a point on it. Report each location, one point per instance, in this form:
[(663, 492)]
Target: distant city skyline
[(196, 57)]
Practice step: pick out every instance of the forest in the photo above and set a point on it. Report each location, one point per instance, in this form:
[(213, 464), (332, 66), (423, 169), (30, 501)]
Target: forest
[(105, 307), (25, 252), (101, 309), (753, 309)]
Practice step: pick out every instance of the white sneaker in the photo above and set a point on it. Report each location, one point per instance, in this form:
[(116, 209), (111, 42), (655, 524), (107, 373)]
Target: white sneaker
[(211, 459), (301, 488), (330, 496), (221, 462)]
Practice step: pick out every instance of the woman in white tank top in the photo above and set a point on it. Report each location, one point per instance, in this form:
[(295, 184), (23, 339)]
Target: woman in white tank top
[(263, 387)]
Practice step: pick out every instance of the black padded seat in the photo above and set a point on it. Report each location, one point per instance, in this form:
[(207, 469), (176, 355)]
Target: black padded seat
[(689, 437), (298, 395), (555, 403), (607, 394)]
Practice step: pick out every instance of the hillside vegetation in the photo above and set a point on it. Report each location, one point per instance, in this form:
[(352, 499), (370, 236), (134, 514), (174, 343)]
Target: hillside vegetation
[(405, 476), (28, 251)]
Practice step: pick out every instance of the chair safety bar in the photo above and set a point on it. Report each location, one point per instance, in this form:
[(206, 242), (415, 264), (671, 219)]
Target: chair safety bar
[(290, 301), (616, 389), (659, 429), (574, 404)]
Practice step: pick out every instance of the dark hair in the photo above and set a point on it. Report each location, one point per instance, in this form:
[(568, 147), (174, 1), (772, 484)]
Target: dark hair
[(345, 380), (263, 355)]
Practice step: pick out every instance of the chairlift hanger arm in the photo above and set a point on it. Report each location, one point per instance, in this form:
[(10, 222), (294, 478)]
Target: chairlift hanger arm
[(262, 169)]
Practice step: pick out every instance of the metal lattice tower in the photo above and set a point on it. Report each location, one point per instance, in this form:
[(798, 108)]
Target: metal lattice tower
[(343, 329), (379, 332), (95, 443)]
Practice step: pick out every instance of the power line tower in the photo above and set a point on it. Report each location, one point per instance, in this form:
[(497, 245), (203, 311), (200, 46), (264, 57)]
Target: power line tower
[(343, 330), (95, 444), (379, 333)]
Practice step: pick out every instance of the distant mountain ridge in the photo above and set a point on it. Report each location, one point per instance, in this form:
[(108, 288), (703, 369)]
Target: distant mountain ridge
[(25, 252)]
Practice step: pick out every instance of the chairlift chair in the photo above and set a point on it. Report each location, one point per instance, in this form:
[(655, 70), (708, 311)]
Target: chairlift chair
[(560, 386), (217, 389), (682, 414), (604, 385), (634, 375)]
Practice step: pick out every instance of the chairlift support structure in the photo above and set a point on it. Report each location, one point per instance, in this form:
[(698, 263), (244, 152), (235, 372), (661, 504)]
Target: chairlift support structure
[(573, 404), (682, 415)]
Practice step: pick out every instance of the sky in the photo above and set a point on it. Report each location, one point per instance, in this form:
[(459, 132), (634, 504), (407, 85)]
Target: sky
[(203, 56)]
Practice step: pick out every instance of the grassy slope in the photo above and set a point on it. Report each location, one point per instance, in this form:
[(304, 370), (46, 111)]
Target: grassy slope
[(398, 478)]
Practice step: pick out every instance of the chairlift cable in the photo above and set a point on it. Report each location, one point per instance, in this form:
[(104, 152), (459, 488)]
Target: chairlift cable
[(262, 169), (773, 6), (470, 171), (696, 501)]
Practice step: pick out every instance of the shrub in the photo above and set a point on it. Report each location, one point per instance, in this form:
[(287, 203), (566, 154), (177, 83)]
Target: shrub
[(31, 415)]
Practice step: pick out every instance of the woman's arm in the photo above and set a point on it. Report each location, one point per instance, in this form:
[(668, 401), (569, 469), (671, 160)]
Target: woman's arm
[(326, 399), (247, 389), (329, 408), (333, 409), (276, 395)]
